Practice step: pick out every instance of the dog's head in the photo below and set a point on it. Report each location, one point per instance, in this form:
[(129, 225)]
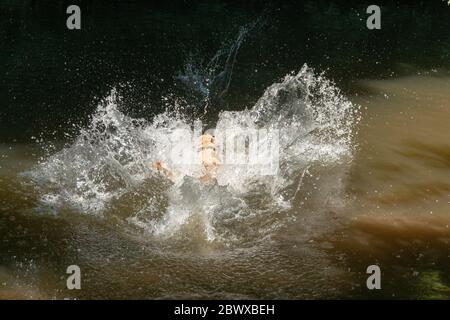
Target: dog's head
[(206, 140)]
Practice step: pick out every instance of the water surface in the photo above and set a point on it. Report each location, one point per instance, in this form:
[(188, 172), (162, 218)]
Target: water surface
[(364, 165)]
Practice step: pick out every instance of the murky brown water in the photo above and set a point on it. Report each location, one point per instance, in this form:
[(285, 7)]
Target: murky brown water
[(389, 206), (400, 181)]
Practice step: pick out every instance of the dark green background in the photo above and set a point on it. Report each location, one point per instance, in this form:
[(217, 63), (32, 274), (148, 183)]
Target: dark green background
[(51, 77)]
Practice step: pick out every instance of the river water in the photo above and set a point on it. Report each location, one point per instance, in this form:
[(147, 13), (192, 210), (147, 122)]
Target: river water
[(363, 176)]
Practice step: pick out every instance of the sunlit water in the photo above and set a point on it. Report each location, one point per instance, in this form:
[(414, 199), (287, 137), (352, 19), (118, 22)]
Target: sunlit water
[(361, 181)]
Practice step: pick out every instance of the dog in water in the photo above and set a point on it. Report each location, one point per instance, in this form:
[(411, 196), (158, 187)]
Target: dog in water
[(207, 153)]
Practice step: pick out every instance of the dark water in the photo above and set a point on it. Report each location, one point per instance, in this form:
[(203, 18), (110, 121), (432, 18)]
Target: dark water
[(51, 76), (384, 199)]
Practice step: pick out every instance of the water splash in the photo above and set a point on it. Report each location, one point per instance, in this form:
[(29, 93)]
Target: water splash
[(104, 171), (209, 82)]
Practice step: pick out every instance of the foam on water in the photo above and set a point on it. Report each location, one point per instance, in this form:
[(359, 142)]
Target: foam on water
[(104, 171)]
